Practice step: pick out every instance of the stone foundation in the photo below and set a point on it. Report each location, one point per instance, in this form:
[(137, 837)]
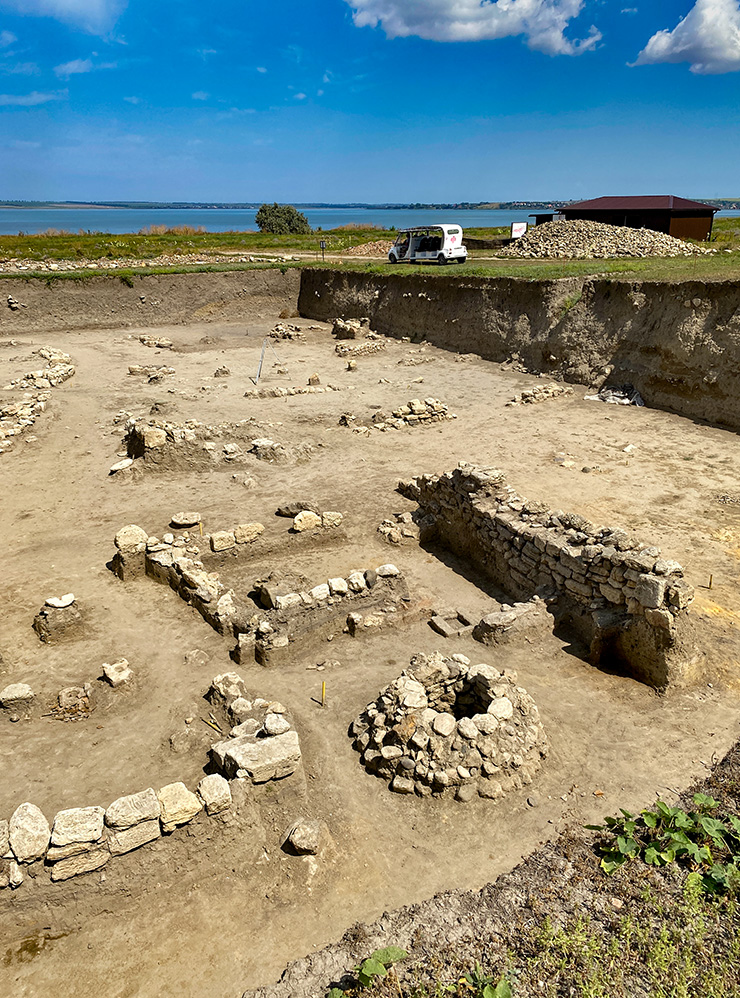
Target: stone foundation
[(621, 597), (447, 727)]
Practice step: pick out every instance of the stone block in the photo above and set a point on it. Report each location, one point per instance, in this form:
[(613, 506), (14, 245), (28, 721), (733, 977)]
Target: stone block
[(387, 571), (126, 839), (307, 836), (226, 688), (320, 592), (402, 785), (16, 696), (84, 862), (4, 837), (306, 520), (132, 809), (338, 587), (29, 833), (77, 824), (131, 539), (262, 759), (331, 519), (276, 724), (444, 627), (178, 804), (444, 725), (501, 708), (215, 793), (117, 673), (650, 591), (356, 582), (222, 540), (246, 533)]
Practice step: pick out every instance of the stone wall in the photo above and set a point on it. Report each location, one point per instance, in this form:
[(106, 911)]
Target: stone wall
[(621, 596), (678, 344)]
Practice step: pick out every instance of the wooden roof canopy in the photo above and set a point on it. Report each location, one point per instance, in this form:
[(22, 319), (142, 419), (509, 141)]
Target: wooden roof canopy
[(663, 202)]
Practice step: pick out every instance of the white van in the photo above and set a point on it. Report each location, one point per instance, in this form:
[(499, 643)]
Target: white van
[(443, 243)]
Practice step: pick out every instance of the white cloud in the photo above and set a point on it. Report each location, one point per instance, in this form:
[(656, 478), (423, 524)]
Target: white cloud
[(73, 68), (30, 100), (708, 38), (200, 95), (132, 100), (22, 144), (299, 96), (7, 38), (261, 69), (95, 16), (21, 68), (542, 22)]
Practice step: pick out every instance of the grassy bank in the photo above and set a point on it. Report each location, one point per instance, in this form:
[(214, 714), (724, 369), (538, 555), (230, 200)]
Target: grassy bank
[(560, 926)]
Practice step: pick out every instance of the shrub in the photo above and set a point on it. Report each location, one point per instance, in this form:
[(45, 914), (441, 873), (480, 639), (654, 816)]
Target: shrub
[(282, 220)]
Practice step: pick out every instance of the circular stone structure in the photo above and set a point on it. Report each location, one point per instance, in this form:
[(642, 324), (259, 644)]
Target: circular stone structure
[(446, 727)]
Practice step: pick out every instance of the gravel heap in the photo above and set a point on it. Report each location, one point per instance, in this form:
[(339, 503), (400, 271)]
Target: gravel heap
[(448, 727), (596, 240), (380, 247)]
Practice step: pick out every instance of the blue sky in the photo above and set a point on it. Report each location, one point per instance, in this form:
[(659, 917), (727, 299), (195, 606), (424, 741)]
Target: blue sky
[(368, 100)]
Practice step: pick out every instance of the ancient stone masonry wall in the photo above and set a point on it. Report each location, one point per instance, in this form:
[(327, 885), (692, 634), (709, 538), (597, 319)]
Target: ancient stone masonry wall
[(18, 415), (678, 344), (288, 614), (621, 595)]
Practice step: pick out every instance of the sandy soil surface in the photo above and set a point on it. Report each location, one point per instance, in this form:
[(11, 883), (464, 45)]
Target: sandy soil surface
[(215, 913)]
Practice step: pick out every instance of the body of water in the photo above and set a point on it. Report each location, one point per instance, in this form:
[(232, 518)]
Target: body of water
[(120, 220)]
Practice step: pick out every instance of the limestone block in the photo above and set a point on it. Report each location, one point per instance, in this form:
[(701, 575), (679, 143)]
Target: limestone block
[(660, 618), (650, 591), (16, 695), (4, 837), (320, 592), (338, 587), (77, 824), (276, 724), (502, 709), (127, 839), (444, 627), (130, 539), (287, 601), (444, 725), (680, 594), (467, 728), (29, 833), (132, 809), (222, 540), (331, 519), (226, 688), (306, 520), (387, 571), (178, 804), (245, 533), (117, 673), (356, 582), (307, 836), (402, 785), (261, 759), (11, 874), (84, 862), (153, 436), (215, 793), (485, 723)]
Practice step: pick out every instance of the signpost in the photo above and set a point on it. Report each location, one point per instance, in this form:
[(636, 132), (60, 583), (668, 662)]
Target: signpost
[(322, 244)]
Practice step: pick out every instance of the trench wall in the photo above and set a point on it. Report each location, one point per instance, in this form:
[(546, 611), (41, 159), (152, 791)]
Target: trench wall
[(145, 300), (628, 601), (678, 344)]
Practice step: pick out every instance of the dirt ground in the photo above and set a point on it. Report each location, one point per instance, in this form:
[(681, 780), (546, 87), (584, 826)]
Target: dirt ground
[(213, 914)]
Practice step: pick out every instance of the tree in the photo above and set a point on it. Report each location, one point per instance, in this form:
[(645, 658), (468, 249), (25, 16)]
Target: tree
[(282, 219)]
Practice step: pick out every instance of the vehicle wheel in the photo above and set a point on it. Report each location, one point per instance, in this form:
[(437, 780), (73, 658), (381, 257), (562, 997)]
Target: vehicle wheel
[(462, 259), (393, 258), (441, 259)]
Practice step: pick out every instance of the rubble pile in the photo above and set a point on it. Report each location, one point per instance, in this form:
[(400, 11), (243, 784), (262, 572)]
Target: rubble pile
[(18, 415), (446, 727), (361, 349), (581, 239), (540, 393), (379, 247), (280, 392), (414, 413)]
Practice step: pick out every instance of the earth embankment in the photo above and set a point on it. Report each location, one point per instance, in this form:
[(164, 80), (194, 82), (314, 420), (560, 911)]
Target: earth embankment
[(143, 300), (677, 343)]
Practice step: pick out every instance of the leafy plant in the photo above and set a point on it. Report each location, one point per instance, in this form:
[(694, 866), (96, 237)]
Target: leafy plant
[(482, 985), (373, 967), (707, 843)]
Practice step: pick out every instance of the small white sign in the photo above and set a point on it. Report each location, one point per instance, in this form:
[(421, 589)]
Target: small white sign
[(518, 229)]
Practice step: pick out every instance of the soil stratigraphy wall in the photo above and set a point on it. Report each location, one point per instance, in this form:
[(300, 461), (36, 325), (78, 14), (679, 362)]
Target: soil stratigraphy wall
[(628, 602), (144, 300), (678, 344)]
